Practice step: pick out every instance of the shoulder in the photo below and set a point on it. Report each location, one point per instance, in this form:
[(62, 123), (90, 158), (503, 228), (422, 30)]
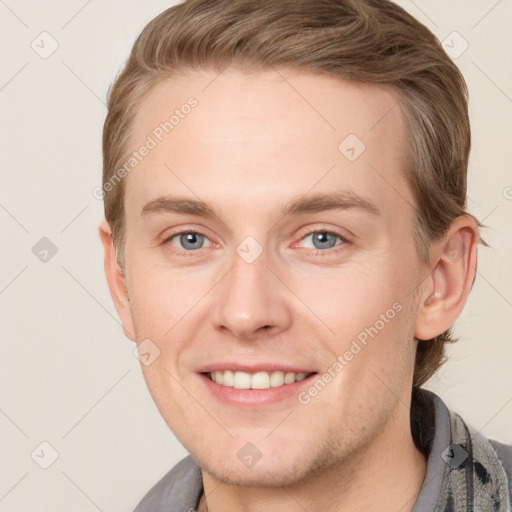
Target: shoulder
[(465, 468), (504, 453), (489, 466), (180, 488)]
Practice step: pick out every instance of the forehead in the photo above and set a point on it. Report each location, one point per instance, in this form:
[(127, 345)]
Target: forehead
[(269, 135)]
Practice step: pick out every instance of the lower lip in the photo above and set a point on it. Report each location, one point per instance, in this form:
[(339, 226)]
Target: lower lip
[(251, 397)]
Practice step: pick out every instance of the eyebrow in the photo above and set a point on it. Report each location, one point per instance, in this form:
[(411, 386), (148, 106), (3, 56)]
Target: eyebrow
[(333, 201), (314, 204)]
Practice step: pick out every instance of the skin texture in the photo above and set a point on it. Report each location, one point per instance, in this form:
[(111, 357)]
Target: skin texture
[(253, 143)]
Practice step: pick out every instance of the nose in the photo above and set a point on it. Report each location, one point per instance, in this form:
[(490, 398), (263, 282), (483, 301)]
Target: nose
[(251, 301)]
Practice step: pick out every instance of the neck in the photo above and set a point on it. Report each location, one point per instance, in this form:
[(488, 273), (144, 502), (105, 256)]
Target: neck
[(387, 474)]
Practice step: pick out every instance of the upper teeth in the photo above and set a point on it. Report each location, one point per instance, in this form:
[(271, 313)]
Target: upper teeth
[(258, 380)]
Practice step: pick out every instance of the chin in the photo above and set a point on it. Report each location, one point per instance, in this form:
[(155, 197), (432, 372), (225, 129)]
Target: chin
[(270, 471), (269, 476)]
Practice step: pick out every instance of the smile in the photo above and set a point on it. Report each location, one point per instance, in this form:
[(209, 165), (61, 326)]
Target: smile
[(257, 380)]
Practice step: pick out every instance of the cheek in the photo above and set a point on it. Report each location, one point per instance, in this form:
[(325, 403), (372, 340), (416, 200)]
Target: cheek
[(347, 300), (367, 321), (173, 403), (162, 297), (379, 358)]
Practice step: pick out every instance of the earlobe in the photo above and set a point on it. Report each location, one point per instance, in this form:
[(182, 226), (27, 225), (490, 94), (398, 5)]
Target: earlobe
[(449, 283), (116, 280)]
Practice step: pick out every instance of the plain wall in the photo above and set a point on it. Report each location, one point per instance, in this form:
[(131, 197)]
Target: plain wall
[(68, 376)]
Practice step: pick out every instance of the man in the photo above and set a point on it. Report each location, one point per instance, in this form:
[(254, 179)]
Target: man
[(286, 241)]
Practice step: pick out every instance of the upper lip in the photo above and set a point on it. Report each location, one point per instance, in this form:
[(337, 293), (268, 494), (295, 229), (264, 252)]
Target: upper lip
[(254, 367)]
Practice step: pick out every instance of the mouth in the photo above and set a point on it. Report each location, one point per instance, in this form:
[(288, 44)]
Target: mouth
[(258, 386), (257, 380)]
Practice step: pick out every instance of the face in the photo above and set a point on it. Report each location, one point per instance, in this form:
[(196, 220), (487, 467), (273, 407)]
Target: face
[(270, 262)]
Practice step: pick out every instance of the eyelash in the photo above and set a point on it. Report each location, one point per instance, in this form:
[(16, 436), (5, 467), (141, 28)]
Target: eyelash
[(316, 252)]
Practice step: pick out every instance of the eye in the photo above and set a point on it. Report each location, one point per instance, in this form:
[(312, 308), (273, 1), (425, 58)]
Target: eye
[(324, 239), (188, 240)]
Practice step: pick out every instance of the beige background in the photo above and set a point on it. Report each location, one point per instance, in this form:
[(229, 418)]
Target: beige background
[(68, 376)]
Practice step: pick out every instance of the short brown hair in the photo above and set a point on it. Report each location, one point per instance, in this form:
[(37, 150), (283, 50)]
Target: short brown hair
[(373, 41)]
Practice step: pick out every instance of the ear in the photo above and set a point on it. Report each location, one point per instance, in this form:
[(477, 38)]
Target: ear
[(116, 281), (453, 262)]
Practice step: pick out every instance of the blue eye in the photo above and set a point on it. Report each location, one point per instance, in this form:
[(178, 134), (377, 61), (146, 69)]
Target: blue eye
[(324, 239), (189, 240)]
